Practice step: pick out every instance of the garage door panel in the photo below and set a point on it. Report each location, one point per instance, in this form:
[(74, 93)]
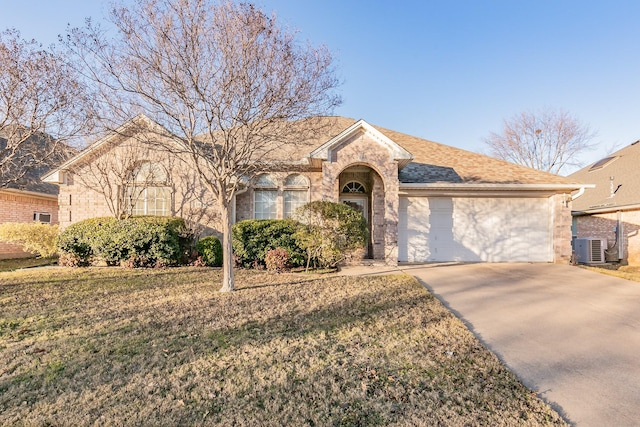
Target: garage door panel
[(474, 229)]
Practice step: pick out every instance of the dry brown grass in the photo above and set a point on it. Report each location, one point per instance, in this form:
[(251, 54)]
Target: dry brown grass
[(162, 347), (624, 271), (17, 263)]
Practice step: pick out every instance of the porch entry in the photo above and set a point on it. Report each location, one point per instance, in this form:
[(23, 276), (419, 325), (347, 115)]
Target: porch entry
[(360, 187)]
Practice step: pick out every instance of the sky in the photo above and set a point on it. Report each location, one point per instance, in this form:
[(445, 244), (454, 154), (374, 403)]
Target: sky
[(449, 71)]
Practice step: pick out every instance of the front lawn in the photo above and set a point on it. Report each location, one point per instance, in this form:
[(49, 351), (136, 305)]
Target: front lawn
[(623, 271), (163, 347)]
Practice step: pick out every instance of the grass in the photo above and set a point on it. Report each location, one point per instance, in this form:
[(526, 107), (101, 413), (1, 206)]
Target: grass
[(624, 271), (163, 347), (17, 263)]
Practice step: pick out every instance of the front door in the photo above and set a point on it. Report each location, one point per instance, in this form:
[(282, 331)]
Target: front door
[(358, 203)]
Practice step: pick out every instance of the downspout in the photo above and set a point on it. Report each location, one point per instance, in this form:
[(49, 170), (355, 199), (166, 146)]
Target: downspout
[(578, 194)]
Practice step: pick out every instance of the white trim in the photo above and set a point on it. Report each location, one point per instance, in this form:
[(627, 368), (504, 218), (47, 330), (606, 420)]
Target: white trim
[(323, 153), (56, 176)]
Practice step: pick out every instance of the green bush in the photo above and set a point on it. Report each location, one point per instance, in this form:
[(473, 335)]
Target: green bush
[(210, 249), (34, 237), (135, 241), (252, 239), (329, 232)]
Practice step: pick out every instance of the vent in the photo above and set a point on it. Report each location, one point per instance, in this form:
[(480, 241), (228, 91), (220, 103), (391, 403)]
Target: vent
[(590, 250)]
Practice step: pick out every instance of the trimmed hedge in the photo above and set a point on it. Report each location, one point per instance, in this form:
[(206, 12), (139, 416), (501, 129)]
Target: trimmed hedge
[(210, 250), (135, 241), (253, 238)]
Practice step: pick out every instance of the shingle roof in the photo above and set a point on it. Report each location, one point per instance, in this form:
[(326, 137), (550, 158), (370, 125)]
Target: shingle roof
[(438, 163), (626, 179)]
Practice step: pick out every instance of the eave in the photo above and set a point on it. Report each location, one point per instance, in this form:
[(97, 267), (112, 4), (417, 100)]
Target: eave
[(324, 152), (485, 189)]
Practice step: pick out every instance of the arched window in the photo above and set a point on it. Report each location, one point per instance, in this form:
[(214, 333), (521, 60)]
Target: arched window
[(353, 187), (265, 196), (296, 193), (149, 192)]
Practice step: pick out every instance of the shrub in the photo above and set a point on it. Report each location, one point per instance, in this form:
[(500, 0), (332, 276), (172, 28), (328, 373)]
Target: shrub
[(147, 241), (329, 232), (210, 250), (34, 237), (277, 260), (252, 239)]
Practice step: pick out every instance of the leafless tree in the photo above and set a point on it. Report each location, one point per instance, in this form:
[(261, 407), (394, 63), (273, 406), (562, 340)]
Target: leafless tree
[(224, 79), (550, 140), (40, 96), (112, 168)]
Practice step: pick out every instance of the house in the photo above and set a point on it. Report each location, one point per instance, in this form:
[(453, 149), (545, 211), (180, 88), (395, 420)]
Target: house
[(27, 199), (36, 203), (611, 210), (423, 201)]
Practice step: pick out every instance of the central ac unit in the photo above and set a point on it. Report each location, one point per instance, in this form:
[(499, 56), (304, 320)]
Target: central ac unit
[(590, 250)]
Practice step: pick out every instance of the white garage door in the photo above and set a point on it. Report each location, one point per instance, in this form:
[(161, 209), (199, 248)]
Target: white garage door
[(474, 229)]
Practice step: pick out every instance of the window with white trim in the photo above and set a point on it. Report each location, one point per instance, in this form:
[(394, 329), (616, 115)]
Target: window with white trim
[(149, 193), (296, 193), (44, 217), (265, 197)]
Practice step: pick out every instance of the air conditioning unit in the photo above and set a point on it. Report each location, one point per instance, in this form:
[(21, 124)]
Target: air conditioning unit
[(590, 250)]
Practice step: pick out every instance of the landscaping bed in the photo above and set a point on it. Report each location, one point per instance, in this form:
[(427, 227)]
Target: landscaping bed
[(163, 347)]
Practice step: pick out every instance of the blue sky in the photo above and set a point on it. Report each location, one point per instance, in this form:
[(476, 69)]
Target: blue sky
[(449, 71)]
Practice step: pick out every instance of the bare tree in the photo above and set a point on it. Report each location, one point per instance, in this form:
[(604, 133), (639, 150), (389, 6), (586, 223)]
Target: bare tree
[(549, 140), (113, 168), (40, 96), (224, 79)]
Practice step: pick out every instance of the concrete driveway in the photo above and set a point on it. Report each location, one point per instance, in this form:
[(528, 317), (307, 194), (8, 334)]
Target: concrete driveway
[(571, 335)]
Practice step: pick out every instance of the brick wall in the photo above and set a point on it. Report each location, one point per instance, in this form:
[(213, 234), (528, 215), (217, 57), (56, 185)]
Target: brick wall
[(602, 226), (561, 214), (20, 207)]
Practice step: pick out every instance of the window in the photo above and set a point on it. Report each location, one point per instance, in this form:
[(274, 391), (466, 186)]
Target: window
[(149, 193), (353, 187), (296, 193), (602, 163), (265, 198), (43, 217), (153, 201)]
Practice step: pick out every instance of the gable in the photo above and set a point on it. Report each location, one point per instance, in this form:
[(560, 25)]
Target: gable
[(358, 130)]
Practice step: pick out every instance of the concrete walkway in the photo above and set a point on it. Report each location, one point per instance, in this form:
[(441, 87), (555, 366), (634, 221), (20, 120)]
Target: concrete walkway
[(569, 334)]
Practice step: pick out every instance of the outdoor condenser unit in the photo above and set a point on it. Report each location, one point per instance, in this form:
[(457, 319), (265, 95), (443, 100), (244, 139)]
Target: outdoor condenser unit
[(590, 250)]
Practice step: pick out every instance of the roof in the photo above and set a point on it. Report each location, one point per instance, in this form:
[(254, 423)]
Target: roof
[(31, 182), (434, 162), (623, 191), (421, 161)]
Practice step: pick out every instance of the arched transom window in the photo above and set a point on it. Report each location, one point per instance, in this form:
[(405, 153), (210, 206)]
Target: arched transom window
[(353, 187)]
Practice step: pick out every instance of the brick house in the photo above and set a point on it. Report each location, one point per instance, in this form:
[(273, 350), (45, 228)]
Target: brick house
[(423, 201), (38, 203), (611, 210)]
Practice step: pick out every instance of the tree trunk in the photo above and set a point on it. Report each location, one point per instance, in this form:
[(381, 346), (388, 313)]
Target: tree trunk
[(228, 283)]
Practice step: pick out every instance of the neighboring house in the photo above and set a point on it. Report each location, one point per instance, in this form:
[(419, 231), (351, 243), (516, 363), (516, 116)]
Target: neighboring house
[(28, 199), (423, 201), (38, 202), (611, 210)]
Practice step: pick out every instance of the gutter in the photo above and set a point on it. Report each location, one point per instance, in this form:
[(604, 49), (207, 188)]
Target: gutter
[(491, 186), (29, 193)]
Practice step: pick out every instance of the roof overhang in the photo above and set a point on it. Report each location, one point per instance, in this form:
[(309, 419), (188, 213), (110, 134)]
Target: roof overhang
[(35, 194), (56, 176), (485, 189), (324, 152), (605, 209)]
